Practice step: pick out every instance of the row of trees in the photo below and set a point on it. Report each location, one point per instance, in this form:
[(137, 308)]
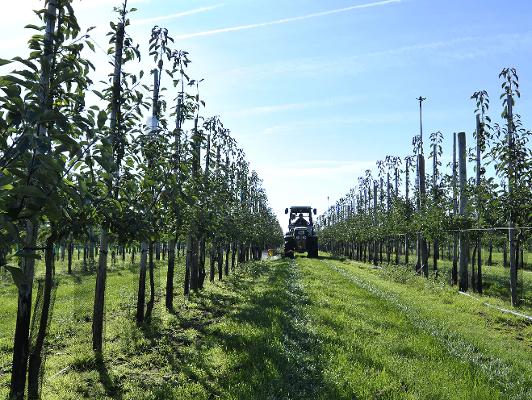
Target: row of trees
[(71, 170), (445, 210)]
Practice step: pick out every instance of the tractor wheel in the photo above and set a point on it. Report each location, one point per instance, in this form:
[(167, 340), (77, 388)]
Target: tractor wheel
[(289, 254), (312, 247), (289, 248)]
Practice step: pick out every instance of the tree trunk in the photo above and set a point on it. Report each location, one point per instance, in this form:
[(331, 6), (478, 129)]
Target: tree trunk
[(101, 273), (151, 266), (490, 255), (35, 357), (479, 266), (436, 255), (473, 265), (505, 255), (141, 294), (91, 250), (513, 265), (194, 272), (220, 257), (70, 253), (170, 275), (191, 272), (201, 268), (212, 258), (22, 327), (227, 248), (233, 256), (397, 251), (241, 257), (85, 257), (99, 293), (188, 261), (158, 251)]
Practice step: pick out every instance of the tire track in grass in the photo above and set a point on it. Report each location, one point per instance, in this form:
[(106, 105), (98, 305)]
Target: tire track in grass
[(266, 343), (307, 380), (495, 369)]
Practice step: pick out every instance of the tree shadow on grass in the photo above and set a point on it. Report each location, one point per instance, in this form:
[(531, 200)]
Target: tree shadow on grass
[(249, 340), (96, 362), (498, 285), (112, 389), (268, 343), (329, 256)]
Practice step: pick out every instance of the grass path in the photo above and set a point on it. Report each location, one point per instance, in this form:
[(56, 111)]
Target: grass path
[(285, 329), (386, 340), (243, 338)]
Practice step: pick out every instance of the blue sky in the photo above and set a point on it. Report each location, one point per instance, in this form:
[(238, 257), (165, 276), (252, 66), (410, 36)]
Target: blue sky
[(317, 91)]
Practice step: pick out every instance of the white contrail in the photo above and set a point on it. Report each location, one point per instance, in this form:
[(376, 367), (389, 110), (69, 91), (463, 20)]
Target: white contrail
[(177, 15), (286, 20)]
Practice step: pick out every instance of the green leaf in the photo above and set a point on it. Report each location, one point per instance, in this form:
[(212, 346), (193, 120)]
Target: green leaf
[(37, 28), (17, 275), (29, 191), (68, 141), (26, 63), (102, 118), (4, 61)]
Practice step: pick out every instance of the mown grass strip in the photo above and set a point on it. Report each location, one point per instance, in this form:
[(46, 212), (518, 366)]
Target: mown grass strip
[(277, 330), (513, 381), (243, 338), (504, 310), (370, 348)]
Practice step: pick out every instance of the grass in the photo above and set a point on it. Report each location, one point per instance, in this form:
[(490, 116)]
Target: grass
[(302, 329), (241, 338), (407, 340), (495, 278)]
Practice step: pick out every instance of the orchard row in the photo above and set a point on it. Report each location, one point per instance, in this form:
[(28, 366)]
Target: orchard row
[(70, 171)]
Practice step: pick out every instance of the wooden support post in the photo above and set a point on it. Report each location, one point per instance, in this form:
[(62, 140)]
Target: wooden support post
[(480, 134), (375, 245), (422, 246), (454, 271), (407, 188), (511, 222), (463, 285)]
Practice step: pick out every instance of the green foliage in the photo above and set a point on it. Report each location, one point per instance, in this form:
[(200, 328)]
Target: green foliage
[(357, 218)]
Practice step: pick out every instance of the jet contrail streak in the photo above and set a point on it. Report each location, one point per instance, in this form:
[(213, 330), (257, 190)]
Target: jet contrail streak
[(286, 20), (177, 15)]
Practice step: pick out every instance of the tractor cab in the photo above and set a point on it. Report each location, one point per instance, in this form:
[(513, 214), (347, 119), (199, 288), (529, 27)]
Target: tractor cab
[(301, 236), (300, 217)]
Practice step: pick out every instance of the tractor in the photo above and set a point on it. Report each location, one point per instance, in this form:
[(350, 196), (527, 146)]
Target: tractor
[(301, 236)]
